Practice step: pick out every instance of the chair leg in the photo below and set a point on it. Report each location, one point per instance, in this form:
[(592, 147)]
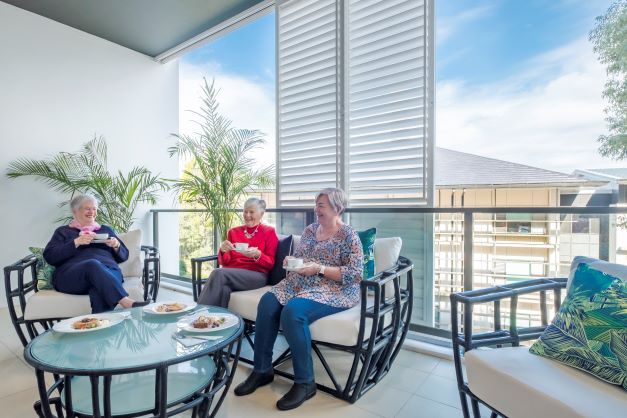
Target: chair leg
[(475, 408), (464, 402), (37, 408)]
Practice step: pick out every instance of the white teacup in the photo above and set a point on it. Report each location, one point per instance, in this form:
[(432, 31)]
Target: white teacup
[(241, 246), (293, 262), (101, 236)]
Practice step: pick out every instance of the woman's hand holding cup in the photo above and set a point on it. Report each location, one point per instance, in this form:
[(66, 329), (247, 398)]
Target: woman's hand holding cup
[(113, 243), (226, 246), (83, 239), (251, 252)]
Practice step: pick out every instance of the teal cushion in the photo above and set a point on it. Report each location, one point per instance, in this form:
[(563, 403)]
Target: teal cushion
[(367, 238), (44, 270), (590, 330)]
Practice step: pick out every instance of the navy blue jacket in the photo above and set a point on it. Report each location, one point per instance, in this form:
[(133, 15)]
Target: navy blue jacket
[(63, 254)]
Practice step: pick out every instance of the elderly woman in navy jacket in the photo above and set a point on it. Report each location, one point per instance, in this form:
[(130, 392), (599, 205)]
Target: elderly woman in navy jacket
[(84, 267)]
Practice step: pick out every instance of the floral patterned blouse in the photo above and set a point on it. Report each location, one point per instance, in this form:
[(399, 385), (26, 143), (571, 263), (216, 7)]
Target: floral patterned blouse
[(342, 250)]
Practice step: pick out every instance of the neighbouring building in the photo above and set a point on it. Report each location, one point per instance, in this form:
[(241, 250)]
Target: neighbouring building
[(511, 247)]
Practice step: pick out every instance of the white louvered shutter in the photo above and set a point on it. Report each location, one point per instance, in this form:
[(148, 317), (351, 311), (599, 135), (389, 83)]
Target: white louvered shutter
[(387, 164), (308, 121), (353, 101)]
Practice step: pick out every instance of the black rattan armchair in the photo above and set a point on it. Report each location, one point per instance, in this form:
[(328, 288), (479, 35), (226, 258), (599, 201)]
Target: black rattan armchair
[(20, 282), (385, 313), (464, 340)]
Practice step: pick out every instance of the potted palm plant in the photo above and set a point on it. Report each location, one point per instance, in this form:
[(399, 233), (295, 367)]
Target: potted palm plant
[(86, 171), (220, 171)]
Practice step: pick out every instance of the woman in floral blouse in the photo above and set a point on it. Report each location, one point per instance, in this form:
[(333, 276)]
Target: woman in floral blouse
[(327, 283)]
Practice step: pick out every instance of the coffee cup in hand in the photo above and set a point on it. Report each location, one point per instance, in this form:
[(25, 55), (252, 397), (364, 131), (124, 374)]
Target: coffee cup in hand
[(293, 262), (241, 246)]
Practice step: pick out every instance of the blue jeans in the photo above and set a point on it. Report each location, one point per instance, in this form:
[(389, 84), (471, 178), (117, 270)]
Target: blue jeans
[(294, 319)]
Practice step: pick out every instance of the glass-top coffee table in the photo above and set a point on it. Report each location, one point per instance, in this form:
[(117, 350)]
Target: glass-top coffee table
[(143, 365)]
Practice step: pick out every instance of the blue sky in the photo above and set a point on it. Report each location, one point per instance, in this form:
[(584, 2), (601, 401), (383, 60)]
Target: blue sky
[(508, 72), (246, 52), (483, 40)]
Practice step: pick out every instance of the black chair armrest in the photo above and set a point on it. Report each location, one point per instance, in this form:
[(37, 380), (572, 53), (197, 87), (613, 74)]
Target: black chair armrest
[(152, 271), (494, 295), (398, 304), (197, 280), (16, 296)]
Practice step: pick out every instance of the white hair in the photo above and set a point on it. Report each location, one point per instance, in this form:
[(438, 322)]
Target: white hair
[(77, 201), (337, 198), (259, 203)]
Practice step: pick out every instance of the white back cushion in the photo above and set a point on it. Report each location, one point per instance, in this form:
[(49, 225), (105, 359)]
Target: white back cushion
[(386, 252), (133, 266)]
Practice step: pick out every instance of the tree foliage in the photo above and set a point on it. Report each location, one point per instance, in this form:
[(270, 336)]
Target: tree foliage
[(86, 171), (609, 38), (222, 170)]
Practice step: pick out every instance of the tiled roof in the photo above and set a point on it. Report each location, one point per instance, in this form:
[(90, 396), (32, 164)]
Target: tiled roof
[(454, 168), (619, 173)]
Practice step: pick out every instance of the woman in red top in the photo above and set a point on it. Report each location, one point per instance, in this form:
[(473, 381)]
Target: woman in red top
[(242, 269)]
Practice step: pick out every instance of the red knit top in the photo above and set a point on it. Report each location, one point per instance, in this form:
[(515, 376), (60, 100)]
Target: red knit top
[(265, 239)]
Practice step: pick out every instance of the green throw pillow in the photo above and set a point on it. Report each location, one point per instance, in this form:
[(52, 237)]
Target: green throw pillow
[(590, 330), (367, 238), (44, 270)]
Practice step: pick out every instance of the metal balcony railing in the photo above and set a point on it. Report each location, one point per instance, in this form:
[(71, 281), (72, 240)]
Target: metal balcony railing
[(453, 249)]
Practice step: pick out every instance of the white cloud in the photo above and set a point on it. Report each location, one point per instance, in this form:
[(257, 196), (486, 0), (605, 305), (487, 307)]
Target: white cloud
[(447, 26), (547, 115), (248, 104)]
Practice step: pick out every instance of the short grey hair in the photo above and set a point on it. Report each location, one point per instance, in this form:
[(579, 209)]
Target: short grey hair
[(77, 201), (259, 203), (337, 198)]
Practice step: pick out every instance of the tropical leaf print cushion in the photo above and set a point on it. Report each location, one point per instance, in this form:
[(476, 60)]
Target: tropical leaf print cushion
[(367, 238), (44, 270), (590, 330)]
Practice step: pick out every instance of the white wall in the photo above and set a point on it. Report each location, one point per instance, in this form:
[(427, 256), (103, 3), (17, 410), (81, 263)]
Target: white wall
[(60, 86)]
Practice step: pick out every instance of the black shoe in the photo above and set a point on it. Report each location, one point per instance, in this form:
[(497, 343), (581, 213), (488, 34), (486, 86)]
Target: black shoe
[(252, 382), (298, 394), (139, 303)]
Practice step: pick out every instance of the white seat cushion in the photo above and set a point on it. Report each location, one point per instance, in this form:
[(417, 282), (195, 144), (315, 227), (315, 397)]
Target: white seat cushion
[(245, 302), (520, 384), (341, 328), (52, 304)]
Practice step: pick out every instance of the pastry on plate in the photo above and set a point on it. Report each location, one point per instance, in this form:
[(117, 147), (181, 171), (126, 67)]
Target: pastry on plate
[(170, 307)]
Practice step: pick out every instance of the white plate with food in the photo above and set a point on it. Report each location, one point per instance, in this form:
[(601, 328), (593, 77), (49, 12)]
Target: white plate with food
[(205, 321), (88, 323), (169, 307)]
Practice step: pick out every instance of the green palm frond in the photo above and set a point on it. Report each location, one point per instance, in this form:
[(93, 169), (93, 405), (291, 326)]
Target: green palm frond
[(221, 170), (86, 171)]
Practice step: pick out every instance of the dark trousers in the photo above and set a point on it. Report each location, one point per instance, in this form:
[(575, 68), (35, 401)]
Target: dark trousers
[(294, 318), (223, 281), (90, 277)]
